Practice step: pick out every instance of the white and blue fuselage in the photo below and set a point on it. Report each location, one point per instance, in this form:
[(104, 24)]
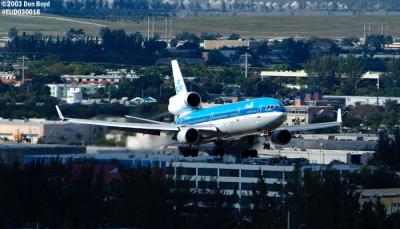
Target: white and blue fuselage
[(246, 117)]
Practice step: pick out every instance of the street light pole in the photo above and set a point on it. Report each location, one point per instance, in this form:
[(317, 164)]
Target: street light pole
[(23, 58), (246, 57), (256, 86)]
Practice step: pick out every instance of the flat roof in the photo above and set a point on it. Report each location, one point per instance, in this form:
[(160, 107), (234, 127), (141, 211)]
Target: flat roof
[(29, 121)]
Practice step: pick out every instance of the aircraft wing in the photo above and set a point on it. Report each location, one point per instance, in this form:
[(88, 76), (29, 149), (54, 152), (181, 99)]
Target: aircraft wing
[(315, 126), (309, 127), (137, 127)]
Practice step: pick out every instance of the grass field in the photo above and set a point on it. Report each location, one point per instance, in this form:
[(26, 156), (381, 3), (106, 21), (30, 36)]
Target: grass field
[(247, 26)]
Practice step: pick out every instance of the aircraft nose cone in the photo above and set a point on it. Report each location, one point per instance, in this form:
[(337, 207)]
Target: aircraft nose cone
[(283, 116)]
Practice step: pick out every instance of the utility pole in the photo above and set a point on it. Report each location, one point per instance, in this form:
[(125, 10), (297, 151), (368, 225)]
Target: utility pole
[(365, 33), (387, 28), (152, 35), (148, 28), (23, 58), (369, 29), (377, 92), (170, 29), (288, 219), (382, 31), (166, 29), (246, 57)]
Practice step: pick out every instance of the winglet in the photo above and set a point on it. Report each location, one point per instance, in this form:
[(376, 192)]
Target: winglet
[(339, 116), (59, 113), (180, 86)]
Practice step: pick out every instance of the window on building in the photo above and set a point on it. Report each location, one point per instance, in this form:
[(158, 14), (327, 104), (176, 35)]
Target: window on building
[(274, 187), (288, 175), (187, 183), (229, 172), (208, 172), (249, 173), (246, 186), (229, 185), (182, 171), (207, 184), (273, 174)]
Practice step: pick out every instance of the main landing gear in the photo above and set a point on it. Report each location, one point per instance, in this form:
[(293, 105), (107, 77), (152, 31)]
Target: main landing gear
[(267, 141), (218, 150), (189, 152), (250, 152), (267, 145)]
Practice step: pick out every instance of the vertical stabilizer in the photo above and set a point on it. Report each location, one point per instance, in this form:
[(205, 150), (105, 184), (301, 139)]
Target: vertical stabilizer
[(180, 86), (339, 116)]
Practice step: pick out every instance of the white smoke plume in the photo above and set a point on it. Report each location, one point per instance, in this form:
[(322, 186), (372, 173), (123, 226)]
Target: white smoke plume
[(147, 142)]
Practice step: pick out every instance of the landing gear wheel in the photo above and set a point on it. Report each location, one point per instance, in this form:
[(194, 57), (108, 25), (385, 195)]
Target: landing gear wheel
[(219, 152), (267, 145), (194, 152), (249, 153), (189, 152)]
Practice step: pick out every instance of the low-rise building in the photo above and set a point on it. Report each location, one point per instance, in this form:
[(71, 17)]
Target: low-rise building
[(390, 198), (285, 74), (8, 77), (304, 114), (74, 95), (142, 100), (49, 132), (323, 156), (70, 92), (362, 100), (231, 174), (218, 44), (10, 153), (98, 79)]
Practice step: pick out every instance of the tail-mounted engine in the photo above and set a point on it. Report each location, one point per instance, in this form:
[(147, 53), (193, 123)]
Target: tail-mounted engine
[(182, 102)]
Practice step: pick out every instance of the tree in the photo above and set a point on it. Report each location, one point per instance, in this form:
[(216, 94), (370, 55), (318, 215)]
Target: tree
[(234, 36), (215, 57), (325, 70), (388, 150)]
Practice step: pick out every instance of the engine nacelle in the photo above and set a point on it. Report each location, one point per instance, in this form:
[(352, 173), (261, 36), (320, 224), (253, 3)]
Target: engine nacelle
[(281, 137), (182, 102), (188, 135)]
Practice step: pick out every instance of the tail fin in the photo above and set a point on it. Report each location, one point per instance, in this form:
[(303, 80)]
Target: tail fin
[(180, 86), (339, 116)]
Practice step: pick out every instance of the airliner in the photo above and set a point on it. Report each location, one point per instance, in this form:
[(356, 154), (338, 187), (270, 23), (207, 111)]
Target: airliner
[(195, 125)]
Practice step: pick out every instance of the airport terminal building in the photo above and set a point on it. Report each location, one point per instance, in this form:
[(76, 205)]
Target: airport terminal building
[(201, 172)]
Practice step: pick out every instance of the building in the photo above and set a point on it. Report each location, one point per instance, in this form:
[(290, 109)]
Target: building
[(49, 132), (285, 74), (372, 75), (74, 95), (323, 156), (393, 46), (362, 100), (304, 114), (4, 41), (390, 198), (98, 79), (201, 172), (142, 100), (218, 44), (61, 91), (10, 153), (8, 77)]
